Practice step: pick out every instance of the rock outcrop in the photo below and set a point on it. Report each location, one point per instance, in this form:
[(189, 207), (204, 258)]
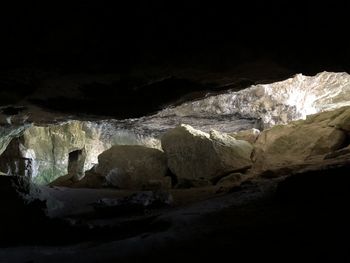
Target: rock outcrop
[(47, 139), (47, 147), (194, 155), (299, 141), (8, 132), (133, 167), (273, 104)]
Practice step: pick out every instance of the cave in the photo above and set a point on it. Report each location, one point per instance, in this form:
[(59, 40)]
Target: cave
[(76, 160), (174, 132)]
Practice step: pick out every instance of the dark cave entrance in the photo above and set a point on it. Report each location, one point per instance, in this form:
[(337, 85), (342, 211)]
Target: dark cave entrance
[(12, 161), (76, 162)]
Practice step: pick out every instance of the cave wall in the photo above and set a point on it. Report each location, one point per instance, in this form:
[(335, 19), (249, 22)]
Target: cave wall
[(48, 146)]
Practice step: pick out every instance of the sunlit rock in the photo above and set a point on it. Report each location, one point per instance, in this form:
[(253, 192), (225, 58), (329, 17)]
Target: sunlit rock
[(48, 142), (193, 154), (133, 167), (275, 103), (318, 135), (48, 147), (248, 135)]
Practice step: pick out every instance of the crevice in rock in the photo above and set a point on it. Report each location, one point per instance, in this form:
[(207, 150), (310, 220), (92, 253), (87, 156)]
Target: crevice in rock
[(174, 179), (12, 162), (76, 162)]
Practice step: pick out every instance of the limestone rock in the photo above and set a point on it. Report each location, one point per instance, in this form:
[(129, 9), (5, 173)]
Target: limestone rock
[(49, 148), (193, 154), (273, 104), (133, 167), (247, 135), (8, 132), (299, 141)]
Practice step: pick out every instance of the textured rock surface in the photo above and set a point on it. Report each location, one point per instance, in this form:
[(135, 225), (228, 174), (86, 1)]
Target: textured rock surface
[(193, 154), (8, 132), (248, 135), (299, 141), (49, 146), (133, 167), (49, 142), (276, 103)]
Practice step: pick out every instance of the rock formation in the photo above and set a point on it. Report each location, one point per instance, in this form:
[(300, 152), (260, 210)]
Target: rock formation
[(133, 167), (300, 141), (247, 135), (275, 103), (47, 141), (196, 155), (49, 146)]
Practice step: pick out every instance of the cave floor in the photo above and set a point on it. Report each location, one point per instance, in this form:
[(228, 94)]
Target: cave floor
[(243, 223)]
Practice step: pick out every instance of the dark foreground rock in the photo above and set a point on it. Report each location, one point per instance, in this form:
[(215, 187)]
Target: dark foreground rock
[(137, 203), (327, 186), (133, 167), (19, 200)]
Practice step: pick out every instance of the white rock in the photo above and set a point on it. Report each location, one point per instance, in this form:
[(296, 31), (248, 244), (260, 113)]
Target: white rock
[(276, 103)]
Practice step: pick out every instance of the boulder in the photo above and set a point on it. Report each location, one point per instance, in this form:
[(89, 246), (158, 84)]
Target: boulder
[(299, 141), (133, 167), (196, 155)]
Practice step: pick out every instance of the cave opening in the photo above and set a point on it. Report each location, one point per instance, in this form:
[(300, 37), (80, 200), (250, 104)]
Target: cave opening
[(76, 162)]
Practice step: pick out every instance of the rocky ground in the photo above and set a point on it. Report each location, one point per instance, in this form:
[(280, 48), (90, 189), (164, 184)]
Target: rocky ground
[(303, 216)]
